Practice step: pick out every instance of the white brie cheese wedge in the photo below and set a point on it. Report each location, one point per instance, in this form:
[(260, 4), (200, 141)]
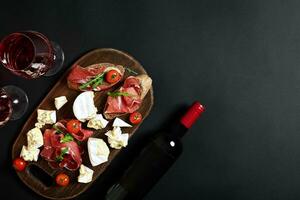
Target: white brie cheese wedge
[(85, 174), (35, 138), (29, 154), (46, 116), (98, 151), (98, 122), (60, 102), (120, 123), (83, 107), (116, 139)]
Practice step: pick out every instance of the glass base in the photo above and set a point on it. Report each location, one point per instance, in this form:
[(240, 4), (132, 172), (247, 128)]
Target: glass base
[(19, 101), (59, 58)]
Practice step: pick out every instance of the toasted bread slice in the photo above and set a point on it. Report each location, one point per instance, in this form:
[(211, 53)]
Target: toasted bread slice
[(95, 67), (145, 84)]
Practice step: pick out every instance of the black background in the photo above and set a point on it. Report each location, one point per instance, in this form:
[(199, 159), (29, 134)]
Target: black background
[(239, 58)]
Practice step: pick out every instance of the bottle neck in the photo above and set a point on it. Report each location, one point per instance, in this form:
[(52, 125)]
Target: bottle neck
[(178, 130)]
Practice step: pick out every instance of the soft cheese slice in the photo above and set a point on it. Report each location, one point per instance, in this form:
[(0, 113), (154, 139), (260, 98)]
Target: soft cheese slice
[(60, 102), (83, 107), (116, 139), (122, 141), (98, 122), (120, 123), (35, 138), (85, 174), (29, 154), (98, 151), (46, 116)]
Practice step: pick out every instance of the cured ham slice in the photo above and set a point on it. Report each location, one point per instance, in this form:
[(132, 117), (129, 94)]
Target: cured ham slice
[(129, 97), (82, 135), (53, 148), (82, 75)]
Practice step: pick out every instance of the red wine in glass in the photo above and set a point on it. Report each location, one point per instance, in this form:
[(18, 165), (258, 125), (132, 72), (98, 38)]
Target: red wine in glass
[(13, 103), (30, 54)]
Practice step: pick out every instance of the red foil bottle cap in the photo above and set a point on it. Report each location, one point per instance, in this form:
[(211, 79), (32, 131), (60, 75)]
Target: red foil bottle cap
[(190, 117)]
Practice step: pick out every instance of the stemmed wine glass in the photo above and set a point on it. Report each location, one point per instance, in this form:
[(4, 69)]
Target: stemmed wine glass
[(30, 54), (13, 103)]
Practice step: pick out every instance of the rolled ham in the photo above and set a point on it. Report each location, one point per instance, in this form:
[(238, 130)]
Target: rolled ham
[(137, 87), (52, 149)]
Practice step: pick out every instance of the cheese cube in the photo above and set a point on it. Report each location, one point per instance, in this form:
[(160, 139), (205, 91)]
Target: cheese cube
[(98, 122), (116, 139), (29, 154), (85, 174), (46, 116), (60, 102), (39, 124), (35, 138)]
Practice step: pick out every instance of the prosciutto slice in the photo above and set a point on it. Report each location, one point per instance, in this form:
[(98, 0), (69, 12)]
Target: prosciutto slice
[(82, 135), (53, 147), (81, 75), (126, 104)]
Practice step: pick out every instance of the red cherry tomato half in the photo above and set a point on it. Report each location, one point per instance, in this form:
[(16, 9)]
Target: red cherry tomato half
[(112, 76), (74, 126), (62, 179), (135, 117), (19, 164)]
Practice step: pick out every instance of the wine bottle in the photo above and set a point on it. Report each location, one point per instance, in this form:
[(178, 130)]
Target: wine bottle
[(154, 160)]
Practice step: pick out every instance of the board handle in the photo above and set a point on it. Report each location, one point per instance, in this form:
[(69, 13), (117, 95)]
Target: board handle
[(42, 181), (40, 175)]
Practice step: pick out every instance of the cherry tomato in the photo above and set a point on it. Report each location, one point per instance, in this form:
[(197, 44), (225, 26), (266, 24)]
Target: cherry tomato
[(112, 76), (74, 126), (19, 164), (62, 179), (135, 117)]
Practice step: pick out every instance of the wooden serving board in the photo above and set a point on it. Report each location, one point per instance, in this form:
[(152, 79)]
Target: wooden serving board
[(66, 112)]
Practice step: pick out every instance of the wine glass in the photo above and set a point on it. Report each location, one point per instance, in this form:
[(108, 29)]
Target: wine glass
[(30, 54), (13, 103)]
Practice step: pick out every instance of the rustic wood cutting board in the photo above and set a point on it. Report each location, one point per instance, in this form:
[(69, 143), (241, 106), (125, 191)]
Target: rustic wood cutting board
[(66, 112)]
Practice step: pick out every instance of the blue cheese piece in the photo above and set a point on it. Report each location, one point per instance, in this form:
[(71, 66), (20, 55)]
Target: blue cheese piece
[(29, 154), (39, 125), (98, 122), (85, 174), (35, 138), (46, 116), (120, 123), (59, 102), (98, 151), (116, 139)]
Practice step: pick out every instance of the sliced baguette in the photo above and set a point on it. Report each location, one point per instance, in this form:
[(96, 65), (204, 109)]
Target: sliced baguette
[(105, 85)]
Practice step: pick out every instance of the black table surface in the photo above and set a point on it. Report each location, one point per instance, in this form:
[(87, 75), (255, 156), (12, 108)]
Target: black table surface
[(239, 58)]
